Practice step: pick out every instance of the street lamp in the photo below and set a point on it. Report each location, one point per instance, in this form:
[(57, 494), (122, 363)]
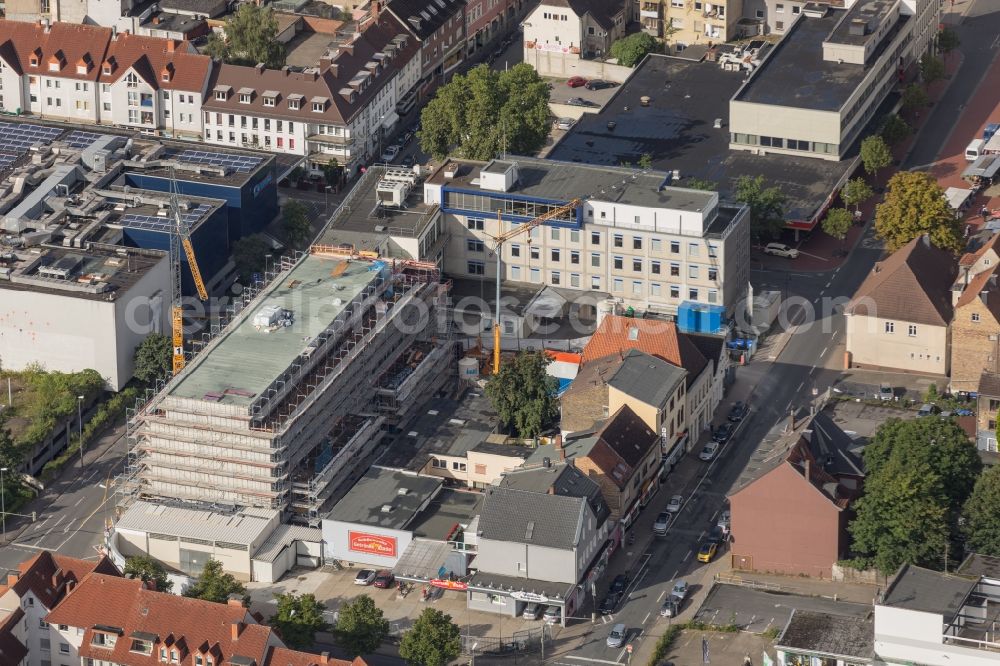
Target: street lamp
[(79, 421), (379, 130), (326, 200), (3, 505)]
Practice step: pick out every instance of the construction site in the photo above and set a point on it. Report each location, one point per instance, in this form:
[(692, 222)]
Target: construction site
[(289, 400)]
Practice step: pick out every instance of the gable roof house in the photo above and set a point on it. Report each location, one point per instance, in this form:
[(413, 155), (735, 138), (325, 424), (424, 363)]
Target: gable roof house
[(559, 32), (975, 331), (439, 27), (898, 318), (790, 511)]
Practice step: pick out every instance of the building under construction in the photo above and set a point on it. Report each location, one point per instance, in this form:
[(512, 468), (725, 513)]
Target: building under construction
[(295, 392)]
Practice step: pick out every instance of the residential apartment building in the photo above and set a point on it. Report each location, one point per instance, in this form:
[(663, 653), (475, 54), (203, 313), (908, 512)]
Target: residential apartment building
[(339, 110), (487, 20), (975, 332), (558, 34), (900, 315), (823, 82), (439, 27), (36, 587), (987, 415), (651, 246), (689, 22)]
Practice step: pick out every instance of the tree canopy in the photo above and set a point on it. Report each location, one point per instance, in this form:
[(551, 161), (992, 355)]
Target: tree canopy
[(931, 68), (947, 40), (856, 192), (523, 395), (480, 114), (914, 97), (875, 154), (767, 206), (298, 619), (361, 626), (895, 129), (914, 205), (249, 255), (216, 585), (837, 223), (434, 640), (982, 514), (295, 223), (701, 184), (629, 51), (153, 358), (250, 38), (148, 570)]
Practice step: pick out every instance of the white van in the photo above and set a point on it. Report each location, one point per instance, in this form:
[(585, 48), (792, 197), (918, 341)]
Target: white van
[(974, 150)]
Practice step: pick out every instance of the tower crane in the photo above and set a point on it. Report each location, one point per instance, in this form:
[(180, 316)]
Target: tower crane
[(498, 242), (180, 240)]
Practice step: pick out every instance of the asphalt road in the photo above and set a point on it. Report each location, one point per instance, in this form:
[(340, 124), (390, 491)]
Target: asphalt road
[(980, 35), (787, 383)]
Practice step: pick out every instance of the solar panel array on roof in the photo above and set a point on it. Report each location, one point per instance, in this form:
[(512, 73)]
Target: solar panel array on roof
[(7, 160), (81, 139), (20, 137), (156, 223), (239, 163)]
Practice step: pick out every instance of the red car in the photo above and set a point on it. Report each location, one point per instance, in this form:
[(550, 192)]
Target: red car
[(576, 82), (384, 579)]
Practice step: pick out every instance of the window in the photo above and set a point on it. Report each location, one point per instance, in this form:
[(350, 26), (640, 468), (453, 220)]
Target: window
[(574, 280), (480, 469), (535, 253), (617, 284), (595, 237), (637, 242), (476, 268), (163, 654), (796, 9), (458, 466), (795, 144), (656, 244), (713, 250), (515, 272), (912, 330), (515, 250), (779, 25), (619, 263), (675, 270), (268, 101), (773, 141), (42, 624), (654, 267), (693, 294), (890, 327), (244, 98), (574, 257), (318, 107), (975, 317), (713, 296), (636, 288), (654, 289), (554, 233), (595, 282), (693, 272), (780, 8), (619, 240), (637, 265), (595, 259), (536, 275), (64, 648), (293, 104), (574, 236), (474, 223), (675, 291), (675, 247), (713, 274), (555, 255), (556, 277), (475, 245), (141, 646), (439, 464), (693, 249)]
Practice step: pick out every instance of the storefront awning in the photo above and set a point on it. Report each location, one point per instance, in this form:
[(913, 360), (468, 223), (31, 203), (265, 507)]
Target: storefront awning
[(423, 559), (986, 166), (390, 119), (957, 196)]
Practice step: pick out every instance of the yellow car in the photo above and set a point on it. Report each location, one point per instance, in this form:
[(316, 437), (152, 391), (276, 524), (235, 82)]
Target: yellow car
[(707, 551)]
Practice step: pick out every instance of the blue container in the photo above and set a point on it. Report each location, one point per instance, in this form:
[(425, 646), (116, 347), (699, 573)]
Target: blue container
[(687, 317), (711, 318)]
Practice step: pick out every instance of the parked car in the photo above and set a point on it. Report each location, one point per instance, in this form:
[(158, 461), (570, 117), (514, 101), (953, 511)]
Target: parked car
[(886, 392), (661, 523), (616, 638), (725, 518), (579, 101), (670, 608), (553, 615), (365, 577), (389, 154), (927, 409), (718, 534), (599, 84), (408, 161), (619, 584), (531, 611), (576, 81), (675, 503), (680, 591), (781, 250), (610, 603), (738, 411), (707, 551), (384, 579), (565, 123), (723, 433), (708, 451)]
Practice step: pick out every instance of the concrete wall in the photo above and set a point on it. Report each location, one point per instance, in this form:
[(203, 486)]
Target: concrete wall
[(557, 64), (336, 540), (168, 551), (905, 636), (782, 524), (871, 346)]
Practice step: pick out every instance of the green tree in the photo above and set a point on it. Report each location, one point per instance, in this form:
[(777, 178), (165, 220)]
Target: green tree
[(914, 205), (148, 570), (856, 192), (295, 223), (11, 456), (837, 223), (982, 514), (767, 206), (331, 171), (914, 97), (902, 517), (361, 626), (875, 154), (216, 585), (702, 184), (298, 619), (249, 255), (629, 51), (434, 640), (484, 112), (895, 129), (523, 395), (947, 40), (153, 358), (250, 38), (931, 68), (645, 161)]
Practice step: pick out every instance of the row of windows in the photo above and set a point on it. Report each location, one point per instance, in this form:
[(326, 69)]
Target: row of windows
[(252, 140), (788, 144), (555, 254), (911, 330), (279, 125)]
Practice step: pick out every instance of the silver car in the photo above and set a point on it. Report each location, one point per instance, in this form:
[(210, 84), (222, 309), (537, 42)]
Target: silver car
[(616, 638)]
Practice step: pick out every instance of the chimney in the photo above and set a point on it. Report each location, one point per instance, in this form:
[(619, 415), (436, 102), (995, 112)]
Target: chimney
[(237, 629), (324, 657), (259, 67), (156, 20), (983, 296), (325, 62), (171, 45), (791, 420), (808, 469), (235, 600), (286, 70), (12, 578), (560, 448), (333, 68)]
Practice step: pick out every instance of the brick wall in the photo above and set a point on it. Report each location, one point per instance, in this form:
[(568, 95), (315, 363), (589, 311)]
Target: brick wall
[(972, 351), (609, 491)]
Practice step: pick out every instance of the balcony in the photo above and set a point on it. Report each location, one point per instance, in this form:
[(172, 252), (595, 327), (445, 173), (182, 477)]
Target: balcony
[(650, 13)]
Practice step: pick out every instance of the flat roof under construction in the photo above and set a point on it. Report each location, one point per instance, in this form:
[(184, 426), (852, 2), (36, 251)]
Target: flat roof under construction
[(246, 360)]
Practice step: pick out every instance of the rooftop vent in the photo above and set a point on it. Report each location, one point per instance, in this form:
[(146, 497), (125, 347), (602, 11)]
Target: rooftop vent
[(401, 492), (386, 508)]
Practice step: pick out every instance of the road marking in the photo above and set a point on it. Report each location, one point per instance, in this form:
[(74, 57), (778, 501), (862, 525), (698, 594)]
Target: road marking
[(801, 384), (812, 371), (594, 661), (714, 515), (686, 557), (702, 535), (675, 574), (828, 284), (646, 619), (660, 598), (823, 353)]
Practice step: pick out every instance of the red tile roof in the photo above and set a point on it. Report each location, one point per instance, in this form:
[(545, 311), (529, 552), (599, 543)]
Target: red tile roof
[(656, 337), (190, 625), (969, 258), (152, 57), (67, 44), (12, 650), (46, 575), (280, 656)]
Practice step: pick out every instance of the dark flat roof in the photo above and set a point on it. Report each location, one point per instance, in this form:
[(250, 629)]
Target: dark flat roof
[(795, 74), (866, 10), (381, 488), (448, 509), (839, 635), (920, 589), (676, 129)]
